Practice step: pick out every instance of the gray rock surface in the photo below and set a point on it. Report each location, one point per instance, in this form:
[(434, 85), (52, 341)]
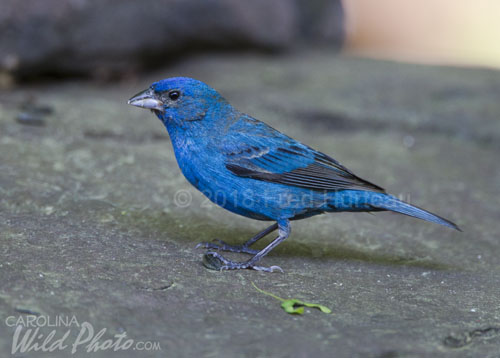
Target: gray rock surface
[(108, 37), (91, 226)]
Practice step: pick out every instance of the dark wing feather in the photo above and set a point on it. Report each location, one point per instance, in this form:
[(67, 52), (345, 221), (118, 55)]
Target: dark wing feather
[(297, 165)]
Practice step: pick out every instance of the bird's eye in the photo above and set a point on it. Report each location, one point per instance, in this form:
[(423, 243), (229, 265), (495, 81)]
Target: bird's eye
[(174, 95)]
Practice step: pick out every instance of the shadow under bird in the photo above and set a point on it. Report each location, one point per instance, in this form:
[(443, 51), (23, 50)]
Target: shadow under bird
[(251, 169)]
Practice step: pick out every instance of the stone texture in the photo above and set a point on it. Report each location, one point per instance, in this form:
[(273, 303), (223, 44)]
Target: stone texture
[(89, 224)]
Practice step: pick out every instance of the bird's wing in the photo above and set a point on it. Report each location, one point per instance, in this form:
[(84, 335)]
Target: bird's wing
[(280, 159)]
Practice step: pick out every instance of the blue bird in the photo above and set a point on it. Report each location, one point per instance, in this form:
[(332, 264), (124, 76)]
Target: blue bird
[(251, 169)]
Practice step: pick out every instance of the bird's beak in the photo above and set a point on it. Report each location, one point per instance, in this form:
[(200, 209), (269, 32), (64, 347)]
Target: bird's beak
[(147, 99)]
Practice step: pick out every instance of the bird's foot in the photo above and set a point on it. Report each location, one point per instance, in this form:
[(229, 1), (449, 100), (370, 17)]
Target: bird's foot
[(216, 261), (223, 246)]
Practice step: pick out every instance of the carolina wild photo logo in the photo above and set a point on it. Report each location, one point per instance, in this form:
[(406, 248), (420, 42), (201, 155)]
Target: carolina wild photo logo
[(41, 333)]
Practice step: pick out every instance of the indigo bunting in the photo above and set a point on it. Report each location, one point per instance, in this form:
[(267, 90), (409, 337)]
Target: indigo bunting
[(251, 169)]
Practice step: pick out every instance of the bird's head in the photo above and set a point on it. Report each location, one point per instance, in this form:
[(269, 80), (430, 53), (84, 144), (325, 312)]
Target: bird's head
[(179, 100)]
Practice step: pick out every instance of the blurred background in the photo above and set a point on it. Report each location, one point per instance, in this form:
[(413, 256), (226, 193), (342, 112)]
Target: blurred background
[(109, 39), (427, 31)]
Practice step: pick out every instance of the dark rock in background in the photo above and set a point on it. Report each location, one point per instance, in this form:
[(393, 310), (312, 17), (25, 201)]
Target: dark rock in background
[(105, 37)]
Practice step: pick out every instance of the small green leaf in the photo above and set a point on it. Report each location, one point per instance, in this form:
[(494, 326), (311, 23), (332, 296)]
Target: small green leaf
[(294, 306), (297, 306), (320, 307), (289, 306)]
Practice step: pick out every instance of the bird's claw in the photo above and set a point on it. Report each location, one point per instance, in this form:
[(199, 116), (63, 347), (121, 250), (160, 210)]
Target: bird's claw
[(267, 269), (215, 261), (223, 246)]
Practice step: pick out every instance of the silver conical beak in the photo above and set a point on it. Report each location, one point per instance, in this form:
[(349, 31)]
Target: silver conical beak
[(146, 99)]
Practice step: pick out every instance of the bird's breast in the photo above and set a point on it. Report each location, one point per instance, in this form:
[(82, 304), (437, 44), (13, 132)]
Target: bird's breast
[(196, 161)]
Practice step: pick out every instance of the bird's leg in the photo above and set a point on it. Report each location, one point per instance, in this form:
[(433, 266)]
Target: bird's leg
[(216, 261), (221, 245)]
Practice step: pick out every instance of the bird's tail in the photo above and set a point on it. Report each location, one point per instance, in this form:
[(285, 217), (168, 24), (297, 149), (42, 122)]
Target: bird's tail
[(391, 203)]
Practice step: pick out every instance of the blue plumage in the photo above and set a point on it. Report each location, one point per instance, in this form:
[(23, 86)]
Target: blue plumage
[(251, 169)]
